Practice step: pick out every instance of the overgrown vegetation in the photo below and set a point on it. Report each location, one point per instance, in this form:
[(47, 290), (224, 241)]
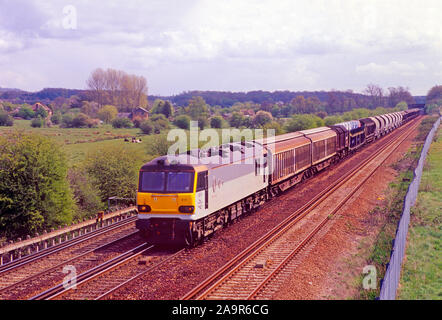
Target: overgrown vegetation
[(391, 210), (34, 191), (422, 269)]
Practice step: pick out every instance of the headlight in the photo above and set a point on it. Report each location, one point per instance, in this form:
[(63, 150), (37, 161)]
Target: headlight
[(186, 209), (144, 208)]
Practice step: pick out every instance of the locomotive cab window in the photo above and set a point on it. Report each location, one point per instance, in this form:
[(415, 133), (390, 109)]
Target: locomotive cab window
[(172, 181)]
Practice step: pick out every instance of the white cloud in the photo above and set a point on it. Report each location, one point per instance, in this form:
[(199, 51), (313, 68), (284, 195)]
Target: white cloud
[(257, 44), (392, 68)]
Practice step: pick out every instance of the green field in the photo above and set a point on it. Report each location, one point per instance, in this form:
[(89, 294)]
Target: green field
[(422, 270), (78, 142)]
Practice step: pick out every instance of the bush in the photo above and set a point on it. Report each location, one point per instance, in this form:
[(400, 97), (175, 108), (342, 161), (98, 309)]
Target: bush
[(160, 125), (147, 127), (34, 192), (6, 119), (217, 122), (37, 122), (26, 113), (67, 120), (107, 113), (122, 123), (41, 113), (56, 118), (331, 120), (182, 122), (303, 122), (85, 195), (113, 171), (160, 146)]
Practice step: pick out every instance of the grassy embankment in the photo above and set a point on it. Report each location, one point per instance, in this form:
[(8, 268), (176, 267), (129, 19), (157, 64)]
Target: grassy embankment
[(421, 276), (387, 214)]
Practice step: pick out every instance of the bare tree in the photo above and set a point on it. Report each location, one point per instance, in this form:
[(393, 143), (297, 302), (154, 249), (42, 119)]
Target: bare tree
[(376, 94), (118, 88)]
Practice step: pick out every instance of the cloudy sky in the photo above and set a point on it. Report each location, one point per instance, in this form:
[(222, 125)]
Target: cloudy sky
[(235, 45)]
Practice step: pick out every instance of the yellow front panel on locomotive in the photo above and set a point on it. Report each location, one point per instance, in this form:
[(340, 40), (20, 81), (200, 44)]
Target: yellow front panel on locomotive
[(160, 203)]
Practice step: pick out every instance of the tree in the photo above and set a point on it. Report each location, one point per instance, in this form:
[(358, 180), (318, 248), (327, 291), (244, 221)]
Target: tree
[(197, 108), (236, 120), (402, 106), (6, 119), (331, 120), (34, 192), (217, 122), (435, 94), (107, 113), (26, 112), (399, 94), (261, 118), (167, 109), (183, 122), (299, 105), (56, 117), (376, 95), (118, 88), (303, 122), (113, 171)]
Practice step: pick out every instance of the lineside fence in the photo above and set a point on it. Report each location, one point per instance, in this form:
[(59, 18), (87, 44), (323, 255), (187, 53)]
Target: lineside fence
[(12, 250), (391, 280)]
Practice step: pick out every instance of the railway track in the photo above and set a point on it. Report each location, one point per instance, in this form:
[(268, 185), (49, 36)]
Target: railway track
[(37, 276), (17, 263), (258, 271), (103, 280)]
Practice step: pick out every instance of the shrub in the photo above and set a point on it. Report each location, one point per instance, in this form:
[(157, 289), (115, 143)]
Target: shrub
[(6, 119), (303, 121), (85, 195), (37, 122), (67, 120), (80, 121), (56, 118), (217, 122), (161, 124), (113, 171), (107, 113), (26, 113), (147, 127), (122, 123), (182, 122)]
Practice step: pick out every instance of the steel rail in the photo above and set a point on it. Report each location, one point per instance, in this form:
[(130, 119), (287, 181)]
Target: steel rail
[(63, 245), (121, 285), (94, 272), (246, 255), (20, 282), (319, 227)]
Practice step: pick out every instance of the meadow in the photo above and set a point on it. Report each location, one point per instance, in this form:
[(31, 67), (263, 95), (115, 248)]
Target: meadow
[(77, 142)]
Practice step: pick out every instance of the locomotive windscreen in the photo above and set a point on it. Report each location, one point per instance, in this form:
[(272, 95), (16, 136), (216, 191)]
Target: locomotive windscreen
[(171, 181)]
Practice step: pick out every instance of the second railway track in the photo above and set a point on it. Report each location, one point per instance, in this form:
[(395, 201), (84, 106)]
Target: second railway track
[(253, 273)]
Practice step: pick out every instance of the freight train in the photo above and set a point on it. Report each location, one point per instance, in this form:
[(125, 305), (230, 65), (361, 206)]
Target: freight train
[(186, 199)]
